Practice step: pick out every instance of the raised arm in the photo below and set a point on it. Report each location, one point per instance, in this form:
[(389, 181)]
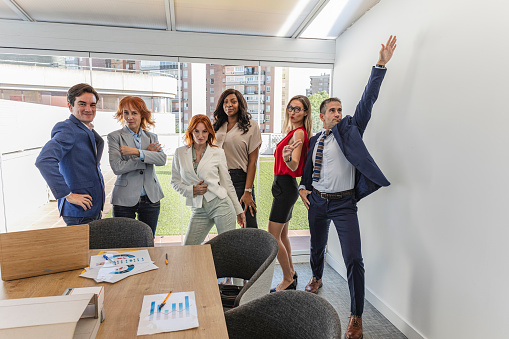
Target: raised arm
[(386, 51), (362, 113)]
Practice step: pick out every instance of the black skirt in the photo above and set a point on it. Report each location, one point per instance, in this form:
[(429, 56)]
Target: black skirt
[(285, 192)]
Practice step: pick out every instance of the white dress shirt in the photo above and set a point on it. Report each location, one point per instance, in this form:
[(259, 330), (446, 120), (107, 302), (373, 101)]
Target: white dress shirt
[(337, 173)]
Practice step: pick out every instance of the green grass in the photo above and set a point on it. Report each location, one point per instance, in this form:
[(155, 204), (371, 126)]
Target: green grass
[(174, 211)]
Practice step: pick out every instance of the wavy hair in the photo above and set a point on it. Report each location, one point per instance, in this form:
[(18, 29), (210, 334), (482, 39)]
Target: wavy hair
[(77, 90), (195, 120), (308, 120), (220, 116), (135, 104)]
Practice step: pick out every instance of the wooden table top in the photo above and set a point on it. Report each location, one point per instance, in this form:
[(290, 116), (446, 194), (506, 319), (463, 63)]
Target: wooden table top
[(190, 268)]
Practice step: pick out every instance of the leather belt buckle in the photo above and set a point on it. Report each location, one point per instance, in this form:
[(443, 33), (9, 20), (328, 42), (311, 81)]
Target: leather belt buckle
[(323, 195)]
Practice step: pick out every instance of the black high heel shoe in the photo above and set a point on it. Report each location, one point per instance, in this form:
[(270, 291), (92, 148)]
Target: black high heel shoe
[(292, 286), (295, 276)]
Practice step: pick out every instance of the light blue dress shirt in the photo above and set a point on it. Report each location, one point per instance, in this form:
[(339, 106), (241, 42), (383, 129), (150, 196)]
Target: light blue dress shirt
[(137, 143)]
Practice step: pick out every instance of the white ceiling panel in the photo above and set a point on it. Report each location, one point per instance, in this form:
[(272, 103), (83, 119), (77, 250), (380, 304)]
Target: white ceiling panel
[(262, 17), (6, 12), (123, 13), (336, 17)]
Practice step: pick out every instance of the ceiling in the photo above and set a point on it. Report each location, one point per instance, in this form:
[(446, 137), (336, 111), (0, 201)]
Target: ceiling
[(320, 19)]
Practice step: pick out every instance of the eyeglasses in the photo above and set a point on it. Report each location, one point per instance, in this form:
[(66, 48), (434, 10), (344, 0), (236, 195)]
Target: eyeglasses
[(295, 109)]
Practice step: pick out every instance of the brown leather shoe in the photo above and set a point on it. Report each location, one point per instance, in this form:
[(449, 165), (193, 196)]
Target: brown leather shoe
[(354, 329), (313, 285)]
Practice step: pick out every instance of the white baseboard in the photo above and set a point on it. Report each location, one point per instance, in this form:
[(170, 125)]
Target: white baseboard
[(394, 317)]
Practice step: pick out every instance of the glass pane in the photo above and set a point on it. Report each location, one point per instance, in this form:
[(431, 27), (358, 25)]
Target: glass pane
[(156, 82), (32, 99)]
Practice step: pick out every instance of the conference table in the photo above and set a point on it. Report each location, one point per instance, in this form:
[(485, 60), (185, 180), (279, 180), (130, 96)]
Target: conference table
[(190, 268)]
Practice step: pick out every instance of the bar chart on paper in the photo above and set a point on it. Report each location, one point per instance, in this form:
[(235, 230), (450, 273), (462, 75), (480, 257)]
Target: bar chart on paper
[(178, 313)]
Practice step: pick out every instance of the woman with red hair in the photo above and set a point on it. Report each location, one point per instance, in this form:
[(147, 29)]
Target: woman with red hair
[(133, 152), (200, 174)]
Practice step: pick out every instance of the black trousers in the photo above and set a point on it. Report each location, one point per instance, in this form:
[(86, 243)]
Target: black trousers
[(238, 177), (343, 212)]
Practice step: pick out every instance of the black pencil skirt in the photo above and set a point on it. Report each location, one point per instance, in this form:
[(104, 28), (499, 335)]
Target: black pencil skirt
[(285, 192)]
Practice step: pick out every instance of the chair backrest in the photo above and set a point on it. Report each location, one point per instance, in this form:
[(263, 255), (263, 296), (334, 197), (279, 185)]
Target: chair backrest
[(119, 233), (246, 253), (284, 315)]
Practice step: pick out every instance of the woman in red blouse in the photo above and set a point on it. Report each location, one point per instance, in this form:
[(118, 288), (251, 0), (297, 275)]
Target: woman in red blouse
[(285, 189)]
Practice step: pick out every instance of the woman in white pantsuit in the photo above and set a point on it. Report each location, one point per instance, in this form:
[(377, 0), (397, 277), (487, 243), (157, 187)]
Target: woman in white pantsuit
[(199, 172)]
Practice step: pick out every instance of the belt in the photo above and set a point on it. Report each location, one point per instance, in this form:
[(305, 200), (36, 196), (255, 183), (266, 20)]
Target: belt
[(334, 195)]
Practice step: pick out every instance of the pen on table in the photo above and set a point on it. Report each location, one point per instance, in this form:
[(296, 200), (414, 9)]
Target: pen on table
[(164, 301), (166, 258), (106, 257)]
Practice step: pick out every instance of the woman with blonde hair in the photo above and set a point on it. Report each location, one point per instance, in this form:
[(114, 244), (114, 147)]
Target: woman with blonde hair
[(289, 159), (133, 152), (200, 174)]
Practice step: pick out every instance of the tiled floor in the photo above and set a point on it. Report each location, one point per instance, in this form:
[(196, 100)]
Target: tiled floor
[(335, 291)]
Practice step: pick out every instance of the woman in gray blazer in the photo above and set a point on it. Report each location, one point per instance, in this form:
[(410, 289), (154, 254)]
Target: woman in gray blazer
[(133, 153)]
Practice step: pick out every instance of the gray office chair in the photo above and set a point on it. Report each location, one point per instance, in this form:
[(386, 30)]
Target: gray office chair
[(284, 315), (249, 254), (119, 233)]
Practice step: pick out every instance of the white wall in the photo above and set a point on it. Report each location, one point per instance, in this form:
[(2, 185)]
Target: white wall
[(435, 241)]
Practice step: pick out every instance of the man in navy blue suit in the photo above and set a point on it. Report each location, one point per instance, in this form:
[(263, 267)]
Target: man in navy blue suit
[(339, 171), (69, 162)]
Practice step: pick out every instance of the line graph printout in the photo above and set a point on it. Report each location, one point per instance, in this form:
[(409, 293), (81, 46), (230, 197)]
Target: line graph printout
[(179, 313)]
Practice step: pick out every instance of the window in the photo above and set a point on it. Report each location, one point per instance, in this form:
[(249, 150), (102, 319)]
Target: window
[(185, 74), (267, 117), (268, 78), (268, 98), (211, 100), (211, 71), (267, 88), (185, 95), (267, 108), (185, 84), (186, 116), (211, 81), (211, 90), (211, 109)]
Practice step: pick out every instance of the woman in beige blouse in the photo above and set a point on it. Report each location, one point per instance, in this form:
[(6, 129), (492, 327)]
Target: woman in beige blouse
[(240, 137)]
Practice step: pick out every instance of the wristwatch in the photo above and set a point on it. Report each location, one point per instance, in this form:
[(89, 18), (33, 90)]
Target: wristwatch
[(250, 190), (289, 159)]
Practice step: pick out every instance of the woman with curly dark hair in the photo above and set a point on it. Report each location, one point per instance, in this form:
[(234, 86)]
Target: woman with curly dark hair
[(240, 137)]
